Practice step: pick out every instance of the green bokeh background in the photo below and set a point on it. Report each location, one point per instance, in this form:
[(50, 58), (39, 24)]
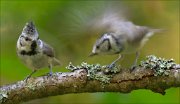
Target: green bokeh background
[(62, 25)]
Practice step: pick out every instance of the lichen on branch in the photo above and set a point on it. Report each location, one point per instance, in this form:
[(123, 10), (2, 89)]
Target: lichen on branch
[(156, 74), (159, 65), (96, 71)]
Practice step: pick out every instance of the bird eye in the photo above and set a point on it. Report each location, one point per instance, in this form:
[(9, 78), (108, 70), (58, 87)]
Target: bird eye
[(97, 47), (31, 30), (27, 39)]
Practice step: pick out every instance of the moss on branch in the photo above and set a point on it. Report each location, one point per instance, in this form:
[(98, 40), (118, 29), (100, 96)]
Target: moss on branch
[(151, 74)]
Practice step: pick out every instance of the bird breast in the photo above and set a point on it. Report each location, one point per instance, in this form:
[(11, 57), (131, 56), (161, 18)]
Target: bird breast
[(36, 61)]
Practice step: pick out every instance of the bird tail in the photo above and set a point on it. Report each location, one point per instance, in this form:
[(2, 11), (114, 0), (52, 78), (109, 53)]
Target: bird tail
[(150, 33), (153, 31), (56, 62), (157, 30)]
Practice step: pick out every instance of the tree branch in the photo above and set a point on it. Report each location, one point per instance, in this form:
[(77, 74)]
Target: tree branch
[(78, 82)]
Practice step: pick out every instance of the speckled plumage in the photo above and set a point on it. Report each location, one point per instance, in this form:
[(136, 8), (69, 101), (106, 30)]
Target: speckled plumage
[(33, 52)]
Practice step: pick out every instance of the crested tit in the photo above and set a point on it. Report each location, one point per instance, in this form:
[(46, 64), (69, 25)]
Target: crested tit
[(33, 52), (124, 37)]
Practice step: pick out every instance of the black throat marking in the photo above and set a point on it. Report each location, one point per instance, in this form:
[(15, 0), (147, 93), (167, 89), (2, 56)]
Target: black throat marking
[(32, 52), (29, 53)]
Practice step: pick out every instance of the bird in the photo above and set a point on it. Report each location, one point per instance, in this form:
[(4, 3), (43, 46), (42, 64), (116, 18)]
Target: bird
[(122, 37), (33, 52)]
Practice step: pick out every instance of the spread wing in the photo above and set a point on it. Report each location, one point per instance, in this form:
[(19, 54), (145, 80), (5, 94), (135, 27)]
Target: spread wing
[(48, 50)]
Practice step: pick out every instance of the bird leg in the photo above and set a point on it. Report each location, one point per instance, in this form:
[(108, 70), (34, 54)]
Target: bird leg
[(114, 62), (135, 62), (50, 68), (30, 75)]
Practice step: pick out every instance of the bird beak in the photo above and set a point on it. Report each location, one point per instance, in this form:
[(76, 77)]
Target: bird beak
[(92, 54)]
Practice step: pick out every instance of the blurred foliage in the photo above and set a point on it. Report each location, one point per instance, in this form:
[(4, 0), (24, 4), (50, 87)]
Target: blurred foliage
[(64, 25)]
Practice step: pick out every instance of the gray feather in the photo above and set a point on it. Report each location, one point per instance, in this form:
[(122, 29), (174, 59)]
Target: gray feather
[(56, 62), (48, 50)]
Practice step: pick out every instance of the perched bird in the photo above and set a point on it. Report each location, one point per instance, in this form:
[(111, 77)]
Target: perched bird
[(35, 53), (122, 37)]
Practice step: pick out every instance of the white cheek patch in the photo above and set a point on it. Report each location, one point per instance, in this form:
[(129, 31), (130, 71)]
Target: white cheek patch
[(105, 36), (21, 42), (27, 48), (23, 34), (104, 46), (40, 43), (18, 44)]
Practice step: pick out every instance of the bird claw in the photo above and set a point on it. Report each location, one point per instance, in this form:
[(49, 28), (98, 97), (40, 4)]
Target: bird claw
[(132, 68), (111, 66), (49, 74), (26, 79)]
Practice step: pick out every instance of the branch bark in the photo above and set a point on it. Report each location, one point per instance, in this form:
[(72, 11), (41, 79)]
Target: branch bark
[(78, 82)]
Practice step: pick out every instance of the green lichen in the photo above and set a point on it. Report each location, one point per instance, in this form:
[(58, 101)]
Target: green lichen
[(3, 96), (159, 65), (31, 86), (96, 71)]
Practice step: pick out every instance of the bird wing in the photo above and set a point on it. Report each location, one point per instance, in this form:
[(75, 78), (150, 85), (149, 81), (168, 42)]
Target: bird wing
[(133, 32), (56, 62), (48, 50)]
